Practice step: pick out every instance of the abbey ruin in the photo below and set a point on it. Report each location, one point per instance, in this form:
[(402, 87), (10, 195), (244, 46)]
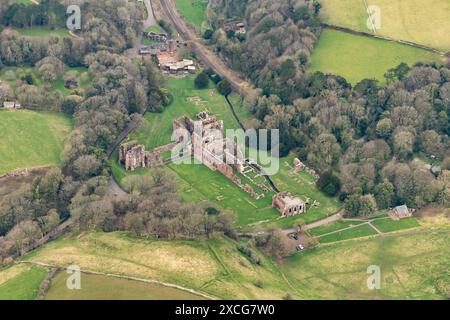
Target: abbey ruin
[(203, 140)]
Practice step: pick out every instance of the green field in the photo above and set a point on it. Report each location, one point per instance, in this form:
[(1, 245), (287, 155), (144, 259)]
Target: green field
[(425, 23), (335, 226), (389, 225), (31, 139), (43, 32), (412, 266), (158, 127), (21, 282), (212, 266), (364, 230), (96, 287), (357, 57), (194, 11)]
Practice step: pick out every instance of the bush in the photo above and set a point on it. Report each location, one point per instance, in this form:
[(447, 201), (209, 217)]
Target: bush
[(202, 80), (208, 34), (250, 255), (329, 183), (224, 87)]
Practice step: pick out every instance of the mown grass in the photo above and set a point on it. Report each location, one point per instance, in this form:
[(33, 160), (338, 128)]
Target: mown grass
[(357, 232), (389, 225), (31, 139), (302, 184), (97, 287), (357, 57), (335, 226), (21, 282), (157, 128), (417, 21)]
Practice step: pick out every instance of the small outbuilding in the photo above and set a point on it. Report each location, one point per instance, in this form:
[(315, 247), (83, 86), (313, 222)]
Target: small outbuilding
[(287, 204), (400, 212)]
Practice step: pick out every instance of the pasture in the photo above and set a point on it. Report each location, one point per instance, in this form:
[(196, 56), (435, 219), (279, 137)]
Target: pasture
[(21, 282), (97, 287), (31, 139), (425, 23), (357, 57), (412, 266), (194, 11), (213, 266)]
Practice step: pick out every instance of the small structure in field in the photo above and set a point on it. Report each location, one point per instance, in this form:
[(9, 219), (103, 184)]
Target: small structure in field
[(400, 212), (288, 205), (11, 105)]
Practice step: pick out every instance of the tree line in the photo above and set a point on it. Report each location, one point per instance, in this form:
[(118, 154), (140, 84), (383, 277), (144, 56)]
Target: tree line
[(372, 143)]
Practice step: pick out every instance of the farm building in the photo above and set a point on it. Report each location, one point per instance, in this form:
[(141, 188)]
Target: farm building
[(288, 205), (400, 212)]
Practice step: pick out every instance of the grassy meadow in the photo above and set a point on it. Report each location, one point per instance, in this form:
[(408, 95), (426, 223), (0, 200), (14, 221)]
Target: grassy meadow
[(412, 266), (21, 282), (213, 266), (417, 21), (31, 139), (43, 32), (97, 287), (194, 11), (357, 57)]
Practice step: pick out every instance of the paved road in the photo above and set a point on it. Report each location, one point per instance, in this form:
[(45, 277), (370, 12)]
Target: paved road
[(209, 58)]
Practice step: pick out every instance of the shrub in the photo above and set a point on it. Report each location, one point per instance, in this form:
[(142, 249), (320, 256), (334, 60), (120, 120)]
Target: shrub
[(202, 80)]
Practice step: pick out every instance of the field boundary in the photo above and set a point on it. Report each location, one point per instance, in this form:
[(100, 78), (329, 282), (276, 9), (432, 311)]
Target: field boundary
[(376, 36), (112, 275)]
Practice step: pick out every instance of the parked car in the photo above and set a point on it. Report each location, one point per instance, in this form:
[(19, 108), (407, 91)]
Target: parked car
[(300, 247)]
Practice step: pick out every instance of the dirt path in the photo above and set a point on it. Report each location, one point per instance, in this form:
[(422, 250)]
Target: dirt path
[(209, 58), (165, 284)]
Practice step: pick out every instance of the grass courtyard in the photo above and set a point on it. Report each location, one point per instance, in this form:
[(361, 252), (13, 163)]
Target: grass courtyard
[(417, 21), (31, 139), (357, 57)]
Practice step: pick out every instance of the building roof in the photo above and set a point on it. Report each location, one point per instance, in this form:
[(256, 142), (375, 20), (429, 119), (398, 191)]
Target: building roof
[(402, 210)]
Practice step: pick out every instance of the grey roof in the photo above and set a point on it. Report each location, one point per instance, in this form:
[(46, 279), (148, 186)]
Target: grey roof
[(401, 210)]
